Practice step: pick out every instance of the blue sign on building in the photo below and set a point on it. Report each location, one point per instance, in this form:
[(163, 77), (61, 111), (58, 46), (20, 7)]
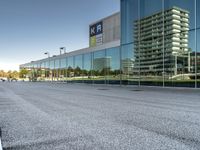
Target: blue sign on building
[(96, 29)]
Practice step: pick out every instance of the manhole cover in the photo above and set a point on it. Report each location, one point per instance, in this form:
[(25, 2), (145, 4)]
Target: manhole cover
[(103, 89), (136, 90)]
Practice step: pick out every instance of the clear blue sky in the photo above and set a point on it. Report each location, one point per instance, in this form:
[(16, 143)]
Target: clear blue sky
[(28, 28)]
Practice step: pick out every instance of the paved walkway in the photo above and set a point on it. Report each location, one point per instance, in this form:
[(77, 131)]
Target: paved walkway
[(71, 116)]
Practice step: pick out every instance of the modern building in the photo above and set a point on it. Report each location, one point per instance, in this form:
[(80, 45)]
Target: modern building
[(149, 42)]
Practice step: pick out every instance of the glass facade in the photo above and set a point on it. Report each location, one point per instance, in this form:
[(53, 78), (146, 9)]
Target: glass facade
[(159, 47), (164, 38), (197, 37)]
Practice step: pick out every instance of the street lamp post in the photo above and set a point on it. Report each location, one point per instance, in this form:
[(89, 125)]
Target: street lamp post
[(48, 54), (64, 50)]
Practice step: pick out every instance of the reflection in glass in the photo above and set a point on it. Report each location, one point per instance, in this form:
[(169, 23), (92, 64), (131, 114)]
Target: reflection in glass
[(113, 66), (129, 76), (129, 13), (198, 59), (158, 47), (87, 67), (100, 64), (63, 70), (183, 43), (78, 67), (70, 67)]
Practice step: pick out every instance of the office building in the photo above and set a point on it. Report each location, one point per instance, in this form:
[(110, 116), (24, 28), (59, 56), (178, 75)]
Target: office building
[(149, 42)]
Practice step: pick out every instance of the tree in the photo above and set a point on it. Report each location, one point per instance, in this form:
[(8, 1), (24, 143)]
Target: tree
[(15, 74), (2, 73), (23, 73)]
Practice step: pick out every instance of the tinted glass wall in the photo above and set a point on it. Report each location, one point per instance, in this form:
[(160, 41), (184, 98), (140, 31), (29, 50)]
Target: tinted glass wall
[(197, 42), (159, 46), (161, 38), (99, 66), (112, 66), (78, 67), (87, 68)]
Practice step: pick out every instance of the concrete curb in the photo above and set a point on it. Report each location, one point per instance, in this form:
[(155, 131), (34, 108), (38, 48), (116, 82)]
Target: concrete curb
[(1, 148)]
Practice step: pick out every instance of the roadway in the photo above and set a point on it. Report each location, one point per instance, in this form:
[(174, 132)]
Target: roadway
[(43, 116)]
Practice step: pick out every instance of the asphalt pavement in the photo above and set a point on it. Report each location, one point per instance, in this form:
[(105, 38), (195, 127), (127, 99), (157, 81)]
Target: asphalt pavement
[(60, 116)]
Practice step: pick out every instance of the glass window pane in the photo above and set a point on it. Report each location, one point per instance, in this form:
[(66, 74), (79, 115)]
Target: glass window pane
[(186, 5), (113, 65), (87, 67), (99, 65), (42, 65), (149, 42), (57, 63), (87, 61), (35, 66), (78, 61), (198, 58), (198, 13), (63, 63), (52, 64), (129, 13), (70, 62), (128, 65), (179, 42), (78, 67), (70, 66), (198, 43)]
